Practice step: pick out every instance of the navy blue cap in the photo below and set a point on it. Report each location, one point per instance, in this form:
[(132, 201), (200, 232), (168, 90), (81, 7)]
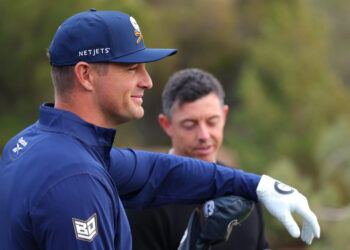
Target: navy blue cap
[(101, 36)]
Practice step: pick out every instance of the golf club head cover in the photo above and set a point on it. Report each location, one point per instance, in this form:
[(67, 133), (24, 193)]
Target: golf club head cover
[(212, 222)]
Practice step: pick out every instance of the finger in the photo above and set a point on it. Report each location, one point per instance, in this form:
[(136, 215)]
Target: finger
[(291, 226), (307, 233), (309, 219), (316, 227)]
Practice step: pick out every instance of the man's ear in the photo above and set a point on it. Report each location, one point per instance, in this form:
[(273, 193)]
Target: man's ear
[(165, 124), (225, 111), (84, 74)]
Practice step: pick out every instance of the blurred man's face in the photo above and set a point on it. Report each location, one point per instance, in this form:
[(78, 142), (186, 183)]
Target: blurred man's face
[(196, 128)]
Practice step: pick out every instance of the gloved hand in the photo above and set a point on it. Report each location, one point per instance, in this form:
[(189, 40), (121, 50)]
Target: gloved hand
[(281, 201)]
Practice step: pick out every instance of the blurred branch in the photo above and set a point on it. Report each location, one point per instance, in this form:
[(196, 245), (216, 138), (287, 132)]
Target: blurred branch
[(333, 214), (338, 158)]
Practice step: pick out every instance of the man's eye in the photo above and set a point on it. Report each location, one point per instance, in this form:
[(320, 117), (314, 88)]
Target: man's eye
[(133, 67), (188, 125), (213, 122)]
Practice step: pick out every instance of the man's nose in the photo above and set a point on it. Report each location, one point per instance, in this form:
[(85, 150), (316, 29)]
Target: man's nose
[(145, 81), (203, 132)]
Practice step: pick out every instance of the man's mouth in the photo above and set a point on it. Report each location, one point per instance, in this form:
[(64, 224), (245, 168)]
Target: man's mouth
[(137, 98), (203, 150)]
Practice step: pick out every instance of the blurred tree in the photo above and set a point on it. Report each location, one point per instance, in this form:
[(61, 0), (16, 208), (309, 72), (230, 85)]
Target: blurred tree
[(337, 11), (287, 91), (288, 96), (332, 154)]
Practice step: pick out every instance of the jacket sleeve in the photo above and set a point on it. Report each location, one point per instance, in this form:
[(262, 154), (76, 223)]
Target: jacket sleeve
[(77, 212), (146, 179)]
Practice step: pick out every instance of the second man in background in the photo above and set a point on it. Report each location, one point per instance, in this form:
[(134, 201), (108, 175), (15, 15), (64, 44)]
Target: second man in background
[(194, 116)]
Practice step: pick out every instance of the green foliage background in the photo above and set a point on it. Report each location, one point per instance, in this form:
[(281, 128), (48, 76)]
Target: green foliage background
[(283, 64)]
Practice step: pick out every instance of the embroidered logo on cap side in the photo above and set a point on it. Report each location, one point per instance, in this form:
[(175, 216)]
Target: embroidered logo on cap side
[(85, 230), (137, 31)]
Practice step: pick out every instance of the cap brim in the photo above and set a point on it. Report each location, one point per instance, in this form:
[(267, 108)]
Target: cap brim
[(145, 55)]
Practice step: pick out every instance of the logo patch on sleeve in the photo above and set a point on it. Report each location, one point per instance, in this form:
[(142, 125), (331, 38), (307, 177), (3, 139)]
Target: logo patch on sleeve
[(85, 230)]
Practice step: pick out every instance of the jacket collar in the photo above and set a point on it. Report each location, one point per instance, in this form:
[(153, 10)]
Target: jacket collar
[(61, 121)]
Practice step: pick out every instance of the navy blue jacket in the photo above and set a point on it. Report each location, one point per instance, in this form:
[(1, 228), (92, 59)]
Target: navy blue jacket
[(61, 185)]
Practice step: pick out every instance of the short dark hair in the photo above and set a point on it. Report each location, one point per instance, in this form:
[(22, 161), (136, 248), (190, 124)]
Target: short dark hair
[(188, 85), (63, 76)]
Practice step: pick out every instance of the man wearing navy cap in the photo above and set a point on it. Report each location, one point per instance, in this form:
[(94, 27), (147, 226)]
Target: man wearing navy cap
[(62, 182)]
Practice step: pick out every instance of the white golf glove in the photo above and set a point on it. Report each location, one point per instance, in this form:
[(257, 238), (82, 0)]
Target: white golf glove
[(281, 201)]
